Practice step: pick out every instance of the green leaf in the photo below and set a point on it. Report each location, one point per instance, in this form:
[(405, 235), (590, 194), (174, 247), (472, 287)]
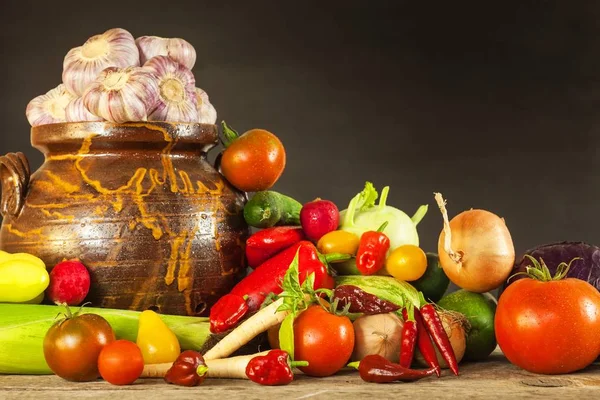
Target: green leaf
[(286, 335), (291, 280), (368, 197)]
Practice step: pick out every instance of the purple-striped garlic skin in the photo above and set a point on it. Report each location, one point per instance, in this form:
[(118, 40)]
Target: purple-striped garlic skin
[(77, 112), (177, 91), (49, 108), (177, 49), (207, 114), (113, 48), (122, 94)]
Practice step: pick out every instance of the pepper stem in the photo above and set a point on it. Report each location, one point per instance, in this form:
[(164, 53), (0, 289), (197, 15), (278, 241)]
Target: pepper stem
[(202, 370), (383, 226), (354, 365), (296, 364), (229, 134)]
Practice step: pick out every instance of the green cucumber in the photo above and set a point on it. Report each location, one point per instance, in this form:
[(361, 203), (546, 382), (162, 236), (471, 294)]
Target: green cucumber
[(269, 208), (384, 287)]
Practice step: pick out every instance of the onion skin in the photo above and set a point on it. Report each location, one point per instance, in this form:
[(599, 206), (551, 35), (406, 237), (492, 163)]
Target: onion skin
[(378, 334), (486, 246)]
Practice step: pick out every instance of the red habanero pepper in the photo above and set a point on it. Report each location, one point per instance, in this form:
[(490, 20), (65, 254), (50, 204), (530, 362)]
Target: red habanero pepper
[(267, 279), (227, 312), (372, 251), (377, 369), (188, 370), (266, 243), (272, 369), (434, 326), (409, 339), (425, 345)]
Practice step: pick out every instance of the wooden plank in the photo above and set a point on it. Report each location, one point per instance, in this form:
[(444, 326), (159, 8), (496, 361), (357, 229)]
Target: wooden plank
[(495, 378)]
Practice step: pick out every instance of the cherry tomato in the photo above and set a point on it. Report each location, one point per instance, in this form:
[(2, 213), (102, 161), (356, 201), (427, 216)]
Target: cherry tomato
[(325, 340), (407, 263), (338, 242), (121, 362), (549, 327), (254, 161), (72, 346)]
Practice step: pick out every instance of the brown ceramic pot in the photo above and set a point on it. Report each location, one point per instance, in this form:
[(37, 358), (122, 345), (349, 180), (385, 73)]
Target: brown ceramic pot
[(138, 204)]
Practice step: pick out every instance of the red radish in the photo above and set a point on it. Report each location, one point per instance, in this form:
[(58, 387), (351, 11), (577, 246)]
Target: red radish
[(319, 217), (69, 283)]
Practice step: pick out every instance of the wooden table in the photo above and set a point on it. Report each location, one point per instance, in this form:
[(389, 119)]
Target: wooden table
[(493, 379)]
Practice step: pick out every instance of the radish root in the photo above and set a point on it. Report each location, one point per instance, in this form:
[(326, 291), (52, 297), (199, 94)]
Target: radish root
[(454, 256)]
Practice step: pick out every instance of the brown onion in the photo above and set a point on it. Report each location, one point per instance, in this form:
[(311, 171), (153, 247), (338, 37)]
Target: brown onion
[(378, 334), (476, 250)]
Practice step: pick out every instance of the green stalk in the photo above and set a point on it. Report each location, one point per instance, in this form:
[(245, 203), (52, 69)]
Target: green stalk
[(420, 214), (229, 134)]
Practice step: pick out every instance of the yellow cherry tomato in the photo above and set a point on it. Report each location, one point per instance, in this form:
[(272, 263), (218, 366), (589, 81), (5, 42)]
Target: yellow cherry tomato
[(407, 263), (338, 242)]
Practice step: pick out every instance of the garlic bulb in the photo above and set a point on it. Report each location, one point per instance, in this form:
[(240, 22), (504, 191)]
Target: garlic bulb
[(122, 95), (113, 48), (177, 49), (76, 112), (177, 91), (206, 111), (49, 108)]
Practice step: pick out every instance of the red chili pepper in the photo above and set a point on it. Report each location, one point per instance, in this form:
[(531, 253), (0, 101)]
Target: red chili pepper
[(377, 369), (268, 242), (188, 370), (425, 345), (372, 251), (409, 339), (267, 279), (434, 326), (272, 369), (227, 312)]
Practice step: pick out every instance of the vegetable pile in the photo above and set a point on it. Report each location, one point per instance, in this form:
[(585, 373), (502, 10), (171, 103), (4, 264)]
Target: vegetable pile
[(327, 289)]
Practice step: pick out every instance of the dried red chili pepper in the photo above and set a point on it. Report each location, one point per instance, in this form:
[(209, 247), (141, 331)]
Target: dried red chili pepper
[(266, 243), (188, 370), (273, 369), (372, 251), (377, 369), (409, 339), (434, 326), (267, 279), (425, 345), (361, 301)]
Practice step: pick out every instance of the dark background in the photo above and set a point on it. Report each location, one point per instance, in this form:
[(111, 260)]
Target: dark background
[(495, 104)]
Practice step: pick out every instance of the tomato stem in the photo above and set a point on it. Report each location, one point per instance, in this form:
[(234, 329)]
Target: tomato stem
[(229, 134), (540, 271)]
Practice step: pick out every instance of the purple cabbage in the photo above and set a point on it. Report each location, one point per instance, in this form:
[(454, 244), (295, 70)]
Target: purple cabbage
[(587, 269)]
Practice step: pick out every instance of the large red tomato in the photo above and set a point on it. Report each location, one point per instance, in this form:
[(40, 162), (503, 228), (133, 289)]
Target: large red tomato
[(325, 340), (549, 327)]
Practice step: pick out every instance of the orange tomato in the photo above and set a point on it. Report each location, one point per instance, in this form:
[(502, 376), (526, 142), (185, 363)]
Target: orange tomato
[(254, 161), (549, 327)]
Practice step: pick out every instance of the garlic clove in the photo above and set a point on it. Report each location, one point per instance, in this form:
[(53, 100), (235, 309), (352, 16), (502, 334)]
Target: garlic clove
[(177, 49), (206, 111), (177, 96), (113, 48), (49, 108), (76, 112), (122, 94)]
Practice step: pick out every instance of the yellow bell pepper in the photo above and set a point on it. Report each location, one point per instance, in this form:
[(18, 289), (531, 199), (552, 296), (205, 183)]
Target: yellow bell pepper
[(23, 278), (156, 341)]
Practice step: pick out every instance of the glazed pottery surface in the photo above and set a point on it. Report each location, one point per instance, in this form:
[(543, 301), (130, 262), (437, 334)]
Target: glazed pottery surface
[(138, 204)]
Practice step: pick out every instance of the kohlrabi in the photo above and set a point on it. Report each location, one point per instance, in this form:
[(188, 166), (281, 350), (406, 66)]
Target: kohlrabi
[(364, 215)]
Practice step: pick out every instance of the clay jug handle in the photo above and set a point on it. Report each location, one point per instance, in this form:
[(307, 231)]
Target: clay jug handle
[(14, 177), (217, 165)]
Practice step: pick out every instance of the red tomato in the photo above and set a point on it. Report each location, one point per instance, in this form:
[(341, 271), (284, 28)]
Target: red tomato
[(325, 340), (121, 362), (254, 161), (549, 327), (72, 346)]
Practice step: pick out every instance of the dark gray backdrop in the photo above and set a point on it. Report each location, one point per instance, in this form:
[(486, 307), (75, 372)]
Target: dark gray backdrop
[(495, 104)]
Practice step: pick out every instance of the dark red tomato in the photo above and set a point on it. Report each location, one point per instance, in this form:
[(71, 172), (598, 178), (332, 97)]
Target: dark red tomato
[(254, 161), (325, 340), (121, 362), (72, 346), (549, 327)]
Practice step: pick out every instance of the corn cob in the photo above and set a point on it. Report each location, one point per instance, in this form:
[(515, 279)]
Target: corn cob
[(23, 327)]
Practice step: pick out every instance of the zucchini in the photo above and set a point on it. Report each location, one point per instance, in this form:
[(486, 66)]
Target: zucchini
[(384, 287), (269, 208)]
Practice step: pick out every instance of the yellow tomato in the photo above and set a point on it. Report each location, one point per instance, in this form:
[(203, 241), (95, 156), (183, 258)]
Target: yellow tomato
[(338, 242), (407, 263)]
